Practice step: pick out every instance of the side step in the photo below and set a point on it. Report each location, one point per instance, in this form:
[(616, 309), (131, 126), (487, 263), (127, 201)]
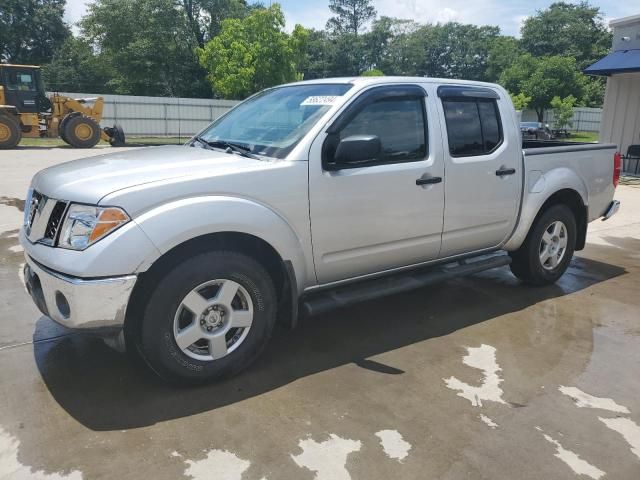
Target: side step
[(325, 301)]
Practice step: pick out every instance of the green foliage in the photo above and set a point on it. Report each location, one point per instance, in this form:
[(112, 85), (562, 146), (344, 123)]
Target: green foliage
[(574, 30), (350, 16), (253, 53), (542, 79), (75, 68), (563, 111), (503, 52), (593, 93), (374, 72), (31, 31), (520, 101), (205, 17), (146, 45)]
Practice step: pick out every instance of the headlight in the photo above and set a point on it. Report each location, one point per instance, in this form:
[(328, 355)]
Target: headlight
[(86, 224)]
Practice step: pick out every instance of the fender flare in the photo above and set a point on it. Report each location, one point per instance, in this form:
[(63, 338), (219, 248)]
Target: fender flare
[(539, 189), (176, 222)]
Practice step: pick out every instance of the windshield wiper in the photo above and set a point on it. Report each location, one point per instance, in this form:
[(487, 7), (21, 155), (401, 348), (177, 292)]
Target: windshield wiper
[(231, 147)]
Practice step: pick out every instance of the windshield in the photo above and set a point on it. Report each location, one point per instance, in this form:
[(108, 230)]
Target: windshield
[(272, 122), (529, 125)]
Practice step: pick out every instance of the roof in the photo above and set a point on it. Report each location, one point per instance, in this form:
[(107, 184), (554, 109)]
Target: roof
[(392, 79), (15, 65), (620, 61), (620, 22)]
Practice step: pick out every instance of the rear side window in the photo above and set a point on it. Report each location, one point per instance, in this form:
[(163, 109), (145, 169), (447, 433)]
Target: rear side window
[(473, 126)]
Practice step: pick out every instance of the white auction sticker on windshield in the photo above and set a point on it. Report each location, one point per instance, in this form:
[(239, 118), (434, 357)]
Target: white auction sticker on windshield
[(320, 100)]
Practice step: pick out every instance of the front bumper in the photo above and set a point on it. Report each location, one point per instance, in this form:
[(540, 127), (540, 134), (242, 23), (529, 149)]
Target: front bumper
[(79, 303)]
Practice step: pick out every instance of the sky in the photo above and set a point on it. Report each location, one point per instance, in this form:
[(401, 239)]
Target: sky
[(507, 14)]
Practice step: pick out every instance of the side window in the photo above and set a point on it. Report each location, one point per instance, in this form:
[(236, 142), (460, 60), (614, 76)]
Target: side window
[(399, 123), (473, 126), (22, 81)]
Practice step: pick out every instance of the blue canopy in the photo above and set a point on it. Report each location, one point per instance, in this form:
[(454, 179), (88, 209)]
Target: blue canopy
[(620, 61)]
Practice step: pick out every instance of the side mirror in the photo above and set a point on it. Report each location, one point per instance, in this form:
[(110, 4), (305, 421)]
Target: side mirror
[(357, 148)]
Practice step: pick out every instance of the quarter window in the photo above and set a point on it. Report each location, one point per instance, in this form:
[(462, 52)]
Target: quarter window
[(400, 125), (473, 126)]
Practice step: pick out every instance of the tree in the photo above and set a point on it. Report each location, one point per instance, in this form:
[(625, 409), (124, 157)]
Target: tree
[(75, 68), (205, 17), (563, 111), (387, 45), (452, 50), (542, 79), (374, 72), (253, 53), (573, 30), (520, 101), (146, 45), (503, 52), (350, 16), (30, 31)]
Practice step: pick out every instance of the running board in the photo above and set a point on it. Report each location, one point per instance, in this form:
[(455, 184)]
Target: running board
[(325, 301)]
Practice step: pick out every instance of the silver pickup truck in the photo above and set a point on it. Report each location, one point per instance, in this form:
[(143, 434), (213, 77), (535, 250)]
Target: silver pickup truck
[(304, 198)]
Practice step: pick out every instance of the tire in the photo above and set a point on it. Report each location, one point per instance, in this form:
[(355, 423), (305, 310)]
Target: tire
[(527, 262), (166, 318), (10, 133), (62, 126), (118, 138), (81, 132)]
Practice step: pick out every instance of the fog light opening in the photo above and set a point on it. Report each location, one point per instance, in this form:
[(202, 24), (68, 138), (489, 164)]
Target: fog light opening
[(63, 305)]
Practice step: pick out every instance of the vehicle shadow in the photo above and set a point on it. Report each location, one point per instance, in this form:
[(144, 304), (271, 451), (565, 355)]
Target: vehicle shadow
[(104, 390)]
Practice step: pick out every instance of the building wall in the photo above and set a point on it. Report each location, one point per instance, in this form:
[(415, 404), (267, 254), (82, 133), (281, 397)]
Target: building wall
[(621, 113)]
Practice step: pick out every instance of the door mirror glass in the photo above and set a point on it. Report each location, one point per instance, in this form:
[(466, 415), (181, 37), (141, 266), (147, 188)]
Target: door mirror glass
[(357, 148)]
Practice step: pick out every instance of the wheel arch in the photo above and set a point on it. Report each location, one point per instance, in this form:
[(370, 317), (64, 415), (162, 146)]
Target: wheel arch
[(568, 196), (281, 271)]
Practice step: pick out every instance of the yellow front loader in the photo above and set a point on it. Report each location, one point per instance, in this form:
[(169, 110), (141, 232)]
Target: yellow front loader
[(26, 111)]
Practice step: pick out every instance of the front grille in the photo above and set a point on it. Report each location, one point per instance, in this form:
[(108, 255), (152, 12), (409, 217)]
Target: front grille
[(55, 220), (44, 219)]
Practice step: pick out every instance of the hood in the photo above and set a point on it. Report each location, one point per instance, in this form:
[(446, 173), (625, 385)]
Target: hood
[(90, 179)]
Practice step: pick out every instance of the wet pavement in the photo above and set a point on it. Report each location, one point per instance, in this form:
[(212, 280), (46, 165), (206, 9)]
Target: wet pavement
[(479, 377)]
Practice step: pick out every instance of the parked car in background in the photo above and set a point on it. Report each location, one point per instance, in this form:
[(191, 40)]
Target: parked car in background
[(304, 198), (535, 131)]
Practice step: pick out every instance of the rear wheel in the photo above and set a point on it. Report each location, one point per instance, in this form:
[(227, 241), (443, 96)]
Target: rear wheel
[(546, 252), (10, 133), (81, 132), (207, 318)]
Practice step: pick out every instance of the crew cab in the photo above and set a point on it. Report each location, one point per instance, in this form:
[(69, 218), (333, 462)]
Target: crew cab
[(303, 198)]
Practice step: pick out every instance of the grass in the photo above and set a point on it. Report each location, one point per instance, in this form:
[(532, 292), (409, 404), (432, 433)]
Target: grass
[(131, 141), (583, 137)]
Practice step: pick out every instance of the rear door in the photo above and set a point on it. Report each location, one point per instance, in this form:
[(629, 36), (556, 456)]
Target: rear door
[(379, 214), (483, 169)]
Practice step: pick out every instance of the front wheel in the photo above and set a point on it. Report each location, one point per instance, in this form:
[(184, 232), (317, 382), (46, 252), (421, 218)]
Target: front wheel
[(546, 252), (209, 317)]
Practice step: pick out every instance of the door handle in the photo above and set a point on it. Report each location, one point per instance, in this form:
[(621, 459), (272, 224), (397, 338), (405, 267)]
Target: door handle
[(428, 180), (505, 171)]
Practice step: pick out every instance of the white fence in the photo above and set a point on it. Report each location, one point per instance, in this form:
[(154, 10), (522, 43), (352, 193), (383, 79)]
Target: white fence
[(167, 116), (158, 116), (584, 119)]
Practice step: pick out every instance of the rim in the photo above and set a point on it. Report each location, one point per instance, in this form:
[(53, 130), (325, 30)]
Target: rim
[(553, 245), (213, 319), (83, 131), (5, 133)]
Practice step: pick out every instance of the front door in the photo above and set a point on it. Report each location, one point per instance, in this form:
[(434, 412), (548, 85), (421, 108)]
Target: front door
[(21, 88), (385, 212)]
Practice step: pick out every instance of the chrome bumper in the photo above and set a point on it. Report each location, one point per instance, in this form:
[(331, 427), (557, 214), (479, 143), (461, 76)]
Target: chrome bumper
[(79, 303), (612, 210)]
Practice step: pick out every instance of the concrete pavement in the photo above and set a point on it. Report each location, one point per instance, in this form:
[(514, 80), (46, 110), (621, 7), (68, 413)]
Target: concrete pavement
[(480, 377)]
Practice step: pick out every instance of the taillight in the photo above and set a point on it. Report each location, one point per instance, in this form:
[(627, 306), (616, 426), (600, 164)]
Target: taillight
[(617, 168)]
